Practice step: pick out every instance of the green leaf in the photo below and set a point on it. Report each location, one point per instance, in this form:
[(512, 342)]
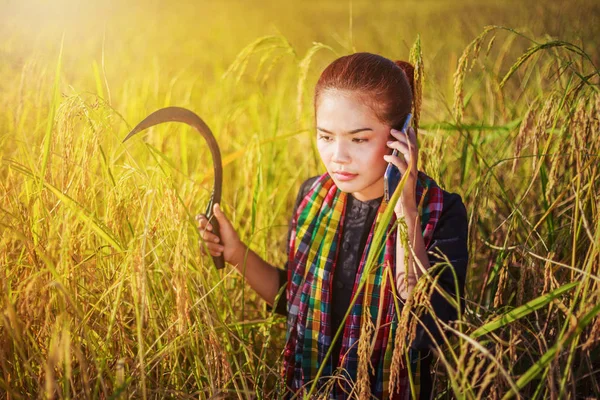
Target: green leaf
[(522, 311)]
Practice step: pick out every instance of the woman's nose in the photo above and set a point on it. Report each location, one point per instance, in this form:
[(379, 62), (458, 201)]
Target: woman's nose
[(340, 153)]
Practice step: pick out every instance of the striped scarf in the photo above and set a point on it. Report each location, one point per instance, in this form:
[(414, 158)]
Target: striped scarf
[(314, 244)]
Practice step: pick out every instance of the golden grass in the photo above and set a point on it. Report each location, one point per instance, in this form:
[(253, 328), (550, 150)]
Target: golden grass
[(104, 291)]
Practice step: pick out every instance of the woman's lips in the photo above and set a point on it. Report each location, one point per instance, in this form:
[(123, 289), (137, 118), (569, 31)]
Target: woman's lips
[(344, 176)]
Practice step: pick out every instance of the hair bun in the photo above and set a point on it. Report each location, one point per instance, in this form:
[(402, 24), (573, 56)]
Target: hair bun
[(409, 72)]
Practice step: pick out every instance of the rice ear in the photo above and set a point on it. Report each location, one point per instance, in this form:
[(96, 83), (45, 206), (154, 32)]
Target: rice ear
[(416, 59), (363, 379), (304, 66), (470, 52), (523, 136)]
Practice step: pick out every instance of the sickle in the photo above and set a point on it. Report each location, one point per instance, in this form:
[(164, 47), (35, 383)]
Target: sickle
[(179, 114)]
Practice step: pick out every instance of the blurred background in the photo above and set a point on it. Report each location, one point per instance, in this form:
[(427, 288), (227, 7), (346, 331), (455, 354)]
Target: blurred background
[(104, 292)]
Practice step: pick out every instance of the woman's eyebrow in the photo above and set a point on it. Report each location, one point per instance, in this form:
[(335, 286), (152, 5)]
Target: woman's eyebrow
[(349, 132)]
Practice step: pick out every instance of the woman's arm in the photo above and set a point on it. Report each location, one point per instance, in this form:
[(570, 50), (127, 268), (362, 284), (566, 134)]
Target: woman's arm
[(263, 277), (411, 262), (450, 239), (260, 275)]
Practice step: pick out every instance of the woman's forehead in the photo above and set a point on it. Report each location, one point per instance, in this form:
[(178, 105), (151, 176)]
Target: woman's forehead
[(344, 110), (344, 103)]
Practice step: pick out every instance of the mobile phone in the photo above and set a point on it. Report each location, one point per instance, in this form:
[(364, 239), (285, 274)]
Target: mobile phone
[(392, 175)]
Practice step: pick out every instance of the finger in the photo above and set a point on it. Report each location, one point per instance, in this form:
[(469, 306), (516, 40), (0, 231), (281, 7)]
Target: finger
[(401, 147), (212, 248), (403, 150), (216, 253), (218, 212), (205, 227), (406, 137), (397, 161), (412, 135), (220, 215), (398, 135), (412, 139), (200, 217), (203, 223), (210, 237)]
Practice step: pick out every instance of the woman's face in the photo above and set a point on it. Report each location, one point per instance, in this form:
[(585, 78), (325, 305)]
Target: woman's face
[(352, 142)]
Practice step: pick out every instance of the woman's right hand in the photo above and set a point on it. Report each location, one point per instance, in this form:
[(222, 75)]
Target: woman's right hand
[(229, 244)]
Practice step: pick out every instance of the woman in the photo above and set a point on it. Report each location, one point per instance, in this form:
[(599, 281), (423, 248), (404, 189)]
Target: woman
[(359, 99)]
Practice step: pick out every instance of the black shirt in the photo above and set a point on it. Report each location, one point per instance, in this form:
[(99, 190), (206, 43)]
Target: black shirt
[(449, 237)]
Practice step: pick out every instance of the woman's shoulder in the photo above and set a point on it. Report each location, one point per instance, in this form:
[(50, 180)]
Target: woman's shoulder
[(452, 225), (306, 185), (453, 203), (304, 188)]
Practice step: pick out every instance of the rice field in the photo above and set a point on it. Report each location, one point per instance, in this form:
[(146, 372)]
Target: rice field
[(104, 291)]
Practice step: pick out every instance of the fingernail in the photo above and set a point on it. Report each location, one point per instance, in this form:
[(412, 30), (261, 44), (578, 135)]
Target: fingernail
[(390, 142), (394, 131)]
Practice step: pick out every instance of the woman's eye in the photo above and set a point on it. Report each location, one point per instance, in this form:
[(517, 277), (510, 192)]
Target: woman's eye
[(325, 138), (358, 140)]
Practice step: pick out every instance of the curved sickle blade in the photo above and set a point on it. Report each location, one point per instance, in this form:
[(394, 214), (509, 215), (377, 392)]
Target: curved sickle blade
[(179, 114)]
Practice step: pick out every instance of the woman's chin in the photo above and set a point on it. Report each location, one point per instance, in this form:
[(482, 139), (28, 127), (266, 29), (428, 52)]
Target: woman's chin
[(361, 190), (346, 187)]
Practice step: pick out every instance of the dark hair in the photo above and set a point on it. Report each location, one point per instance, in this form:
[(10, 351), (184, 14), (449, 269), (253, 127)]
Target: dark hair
[(385, 85)]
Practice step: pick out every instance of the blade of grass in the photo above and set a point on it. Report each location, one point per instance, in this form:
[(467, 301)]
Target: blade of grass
[(522, 311), (50, 122)]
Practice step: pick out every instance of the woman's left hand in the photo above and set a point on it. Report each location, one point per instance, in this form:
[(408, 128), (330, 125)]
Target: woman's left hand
[(408, 153)]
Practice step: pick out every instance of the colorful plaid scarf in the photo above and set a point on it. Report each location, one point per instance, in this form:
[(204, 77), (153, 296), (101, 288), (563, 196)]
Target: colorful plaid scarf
[(314, 244)]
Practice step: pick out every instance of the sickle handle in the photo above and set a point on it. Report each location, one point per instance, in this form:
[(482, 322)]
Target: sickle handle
[(216, 229)]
